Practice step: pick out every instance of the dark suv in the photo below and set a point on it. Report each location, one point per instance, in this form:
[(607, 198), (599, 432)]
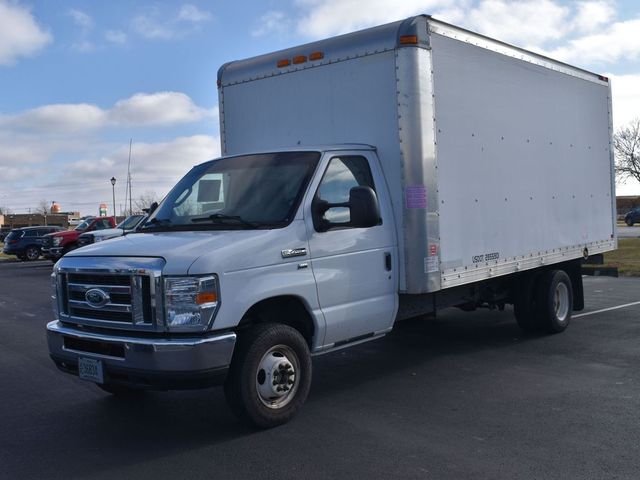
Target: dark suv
[(632, 217), (26, 242)]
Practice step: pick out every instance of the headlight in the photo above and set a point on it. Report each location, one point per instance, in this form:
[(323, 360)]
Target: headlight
[(54, 294), (190, 302), (57, 241)]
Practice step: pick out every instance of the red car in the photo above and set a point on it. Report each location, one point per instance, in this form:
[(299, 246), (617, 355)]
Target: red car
[(55, 245)]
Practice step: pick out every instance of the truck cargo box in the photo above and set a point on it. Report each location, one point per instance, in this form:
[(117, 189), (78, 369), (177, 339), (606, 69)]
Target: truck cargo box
[(498, 160)]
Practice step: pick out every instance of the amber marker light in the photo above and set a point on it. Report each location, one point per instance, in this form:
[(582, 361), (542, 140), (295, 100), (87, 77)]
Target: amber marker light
[(206, 297), (408, 39), (316, 56), (299, 59), (284, 63)]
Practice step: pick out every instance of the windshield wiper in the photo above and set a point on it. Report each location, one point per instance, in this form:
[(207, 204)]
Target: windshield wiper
[(222, 218), (155, 222)]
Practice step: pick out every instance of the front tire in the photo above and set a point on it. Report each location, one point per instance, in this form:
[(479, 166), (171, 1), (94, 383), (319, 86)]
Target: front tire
[(270, 375), (629, 222)]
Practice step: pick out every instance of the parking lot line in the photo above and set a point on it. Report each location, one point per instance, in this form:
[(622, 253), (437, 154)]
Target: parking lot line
[(606, 309)]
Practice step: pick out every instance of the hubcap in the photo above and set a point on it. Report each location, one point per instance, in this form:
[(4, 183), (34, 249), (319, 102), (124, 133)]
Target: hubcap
[(32, 254), (561, 302), (276, 378)]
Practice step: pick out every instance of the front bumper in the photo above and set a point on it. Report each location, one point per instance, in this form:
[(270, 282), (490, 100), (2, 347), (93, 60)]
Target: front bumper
[(52, 253), (142, 362)]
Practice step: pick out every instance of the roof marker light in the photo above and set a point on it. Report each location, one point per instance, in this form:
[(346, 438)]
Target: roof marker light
[(299, 59), (284, 63), (316, 56), (408, 39)]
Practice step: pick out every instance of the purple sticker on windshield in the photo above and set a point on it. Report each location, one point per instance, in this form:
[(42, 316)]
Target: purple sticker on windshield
[(416, 196)]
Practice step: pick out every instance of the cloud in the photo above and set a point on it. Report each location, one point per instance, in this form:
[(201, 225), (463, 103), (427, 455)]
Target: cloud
[(83, 183), (323, 18), (154, 24), (191, 13), (163, 108), (593, 14), (81, 19), (140, 110), (20, 34), (272, 22), (620, 40), (626, 98), (115, 36), (523, 22)]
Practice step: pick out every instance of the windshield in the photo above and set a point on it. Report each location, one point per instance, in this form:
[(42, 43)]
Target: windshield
[(130, 222), (252, 191), (83, 226)]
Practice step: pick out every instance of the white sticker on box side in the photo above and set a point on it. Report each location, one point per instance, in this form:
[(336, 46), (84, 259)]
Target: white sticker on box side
[(431, 264)]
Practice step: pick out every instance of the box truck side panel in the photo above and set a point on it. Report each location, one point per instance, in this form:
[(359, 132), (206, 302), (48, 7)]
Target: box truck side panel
[(349, 101), (524, 168)]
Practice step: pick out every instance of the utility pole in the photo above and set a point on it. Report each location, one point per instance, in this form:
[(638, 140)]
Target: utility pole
[(129, 179)]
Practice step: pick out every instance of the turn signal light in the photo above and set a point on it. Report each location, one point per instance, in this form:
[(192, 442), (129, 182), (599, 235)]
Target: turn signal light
[(206, 297)]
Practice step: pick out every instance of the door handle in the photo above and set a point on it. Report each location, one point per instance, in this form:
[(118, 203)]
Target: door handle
[(387, 261)]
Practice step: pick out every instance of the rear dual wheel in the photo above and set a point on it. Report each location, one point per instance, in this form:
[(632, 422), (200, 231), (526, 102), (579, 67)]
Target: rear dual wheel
[(544, 302)]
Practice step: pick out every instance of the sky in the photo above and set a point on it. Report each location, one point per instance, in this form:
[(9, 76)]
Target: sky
[(79, 79)]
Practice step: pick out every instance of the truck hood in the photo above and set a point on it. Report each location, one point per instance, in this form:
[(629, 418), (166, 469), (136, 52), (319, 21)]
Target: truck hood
[(66, 234), (204, 252), (107, 233)]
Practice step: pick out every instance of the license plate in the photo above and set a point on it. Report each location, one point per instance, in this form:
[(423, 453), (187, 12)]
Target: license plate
[(90, 369)]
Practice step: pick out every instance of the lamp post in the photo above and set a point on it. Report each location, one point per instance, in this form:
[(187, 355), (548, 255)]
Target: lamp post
[(113, 191)]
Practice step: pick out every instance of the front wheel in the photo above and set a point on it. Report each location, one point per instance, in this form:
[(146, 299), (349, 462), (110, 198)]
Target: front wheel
[(629, 222), (270, 375)]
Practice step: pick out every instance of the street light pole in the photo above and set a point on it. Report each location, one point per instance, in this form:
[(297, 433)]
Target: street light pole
[(113, 191)]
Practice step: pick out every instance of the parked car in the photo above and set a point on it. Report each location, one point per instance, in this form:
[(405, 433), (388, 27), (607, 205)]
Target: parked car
[(4, 231), (632, 217), (55, 245), (128, 225), (26, 242)]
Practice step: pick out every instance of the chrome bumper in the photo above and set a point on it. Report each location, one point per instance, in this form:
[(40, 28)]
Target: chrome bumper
[(165, 363)]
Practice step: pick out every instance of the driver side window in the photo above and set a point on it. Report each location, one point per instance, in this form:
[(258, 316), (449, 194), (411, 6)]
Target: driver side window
[(342, 174)]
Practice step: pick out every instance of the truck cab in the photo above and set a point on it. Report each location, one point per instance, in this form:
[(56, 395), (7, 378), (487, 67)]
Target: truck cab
[(302, 239)]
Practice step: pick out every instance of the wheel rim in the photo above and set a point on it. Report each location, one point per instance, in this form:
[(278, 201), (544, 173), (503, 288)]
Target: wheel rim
[(561, 302), (32, 253), (277, 376)]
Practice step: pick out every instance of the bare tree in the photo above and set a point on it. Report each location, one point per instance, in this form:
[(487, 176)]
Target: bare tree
[(145, 200), (626, 142), (43, 207)]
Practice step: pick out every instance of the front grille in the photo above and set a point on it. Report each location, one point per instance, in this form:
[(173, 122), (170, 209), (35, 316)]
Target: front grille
[(106, 299), (99, 279)]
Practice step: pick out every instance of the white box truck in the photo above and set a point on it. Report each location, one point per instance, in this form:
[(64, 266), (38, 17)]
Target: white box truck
[(366, 178)]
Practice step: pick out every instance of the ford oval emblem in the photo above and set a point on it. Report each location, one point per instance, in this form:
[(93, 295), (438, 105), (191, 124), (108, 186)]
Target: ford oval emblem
[(97, 298)]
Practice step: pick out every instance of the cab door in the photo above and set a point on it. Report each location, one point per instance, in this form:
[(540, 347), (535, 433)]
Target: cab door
[(355, 268)]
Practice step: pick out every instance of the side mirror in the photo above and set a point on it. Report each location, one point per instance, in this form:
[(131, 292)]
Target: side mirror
[(364, 207), (364, 210), (151, 208)]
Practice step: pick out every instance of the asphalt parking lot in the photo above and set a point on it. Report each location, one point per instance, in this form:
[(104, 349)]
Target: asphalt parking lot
[(460, 396)]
